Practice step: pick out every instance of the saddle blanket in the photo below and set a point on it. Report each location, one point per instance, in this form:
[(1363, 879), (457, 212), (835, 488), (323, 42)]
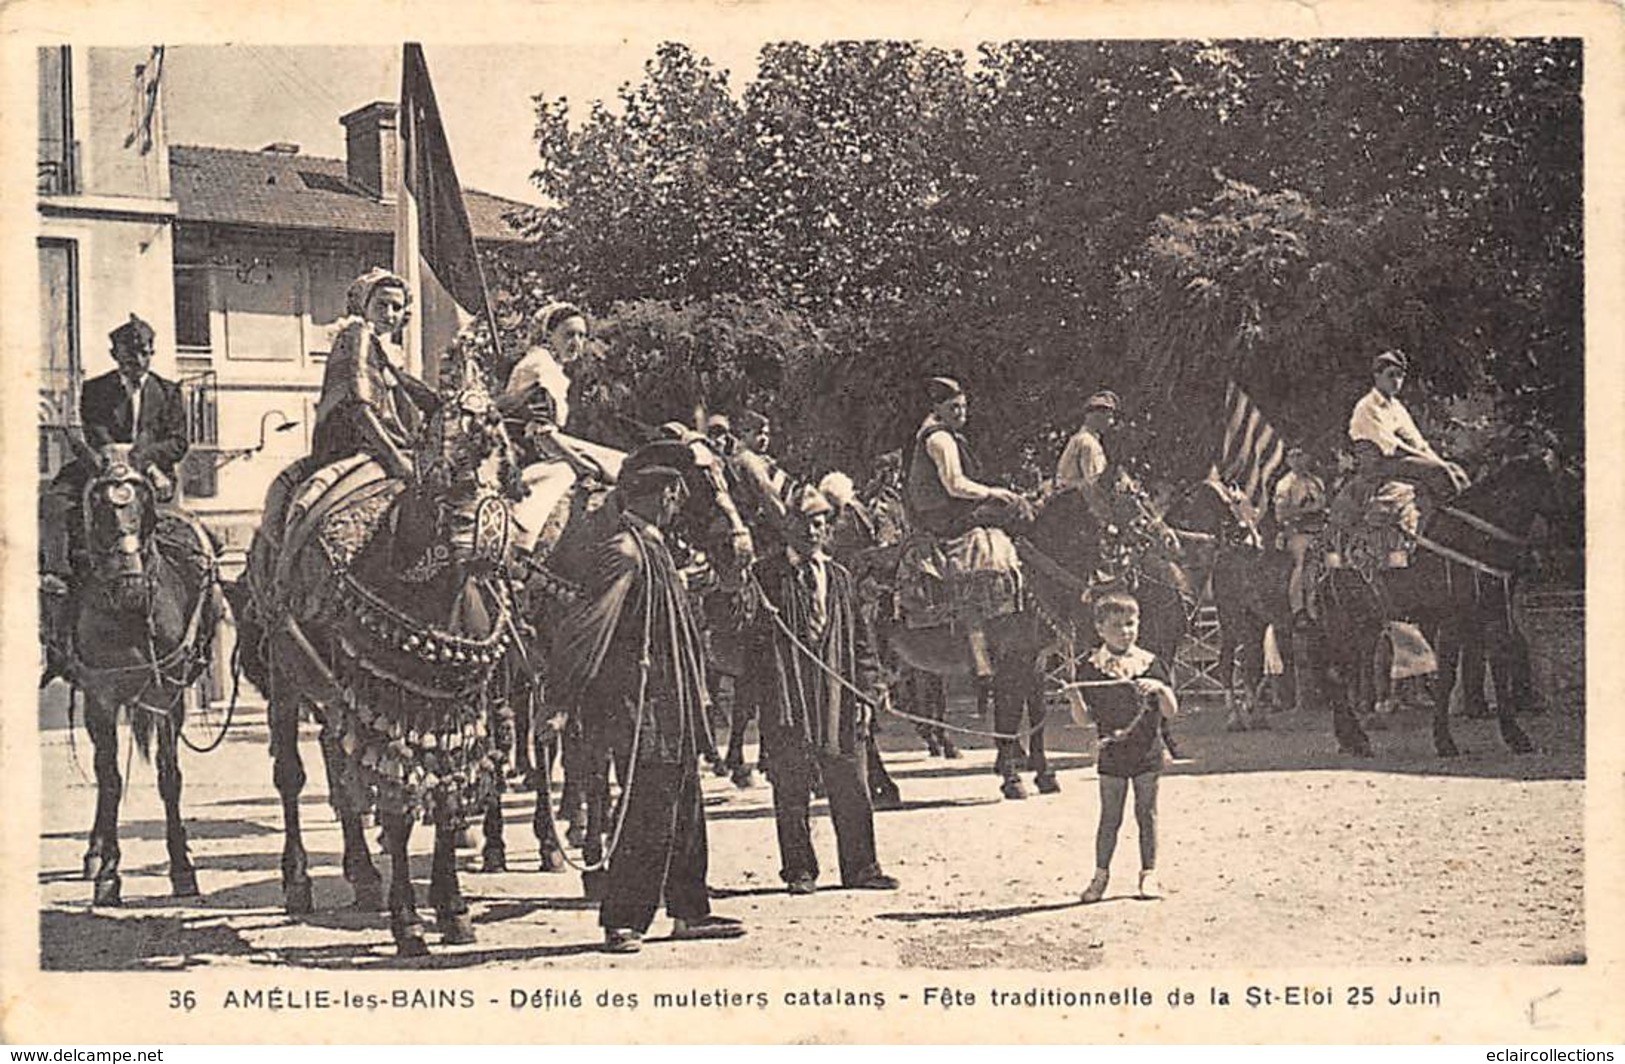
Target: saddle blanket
[(965, 580)]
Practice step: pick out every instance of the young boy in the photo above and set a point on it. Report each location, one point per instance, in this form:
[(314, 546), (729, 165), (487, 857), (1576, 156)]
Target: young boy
[(1127, 713)]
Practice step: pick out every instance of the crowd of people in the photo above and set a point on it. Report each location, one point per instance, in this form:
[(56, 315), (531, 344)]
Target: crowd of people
[(633, 658)]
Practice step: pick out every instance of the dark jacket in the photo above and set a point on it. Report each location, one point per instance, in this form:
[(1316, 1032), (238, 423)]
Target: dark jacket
[(160, 439), (634, 598), (798, 698)]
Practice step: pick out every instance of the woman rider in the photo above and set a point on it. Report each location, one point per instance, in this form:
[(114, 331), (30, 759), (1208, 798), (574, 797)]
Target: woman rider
[(370, 404)]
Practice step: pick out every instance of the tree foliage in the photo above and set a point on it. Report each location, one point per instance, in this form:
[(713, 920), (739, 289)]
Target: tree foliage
[(1059, 216)]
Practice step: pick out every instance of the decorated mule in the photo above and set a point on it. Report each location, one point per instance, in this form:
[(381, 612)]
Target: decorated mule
[(148, 606), (378, 604), (1457, 587)]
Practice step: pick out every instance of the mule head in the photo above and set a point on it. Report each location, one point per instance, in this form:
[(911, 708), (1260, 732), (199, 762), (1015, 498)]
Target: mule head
[(467, 468), (120, 515)]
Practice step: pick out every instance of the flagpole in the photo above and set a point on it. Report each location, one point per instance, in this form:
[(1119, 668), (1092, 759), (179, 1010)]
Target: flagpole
[(435, 252)]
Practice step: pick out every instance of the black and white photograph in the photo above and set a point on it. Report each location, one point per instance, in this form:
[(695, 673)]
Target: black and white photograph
[(991, 510)]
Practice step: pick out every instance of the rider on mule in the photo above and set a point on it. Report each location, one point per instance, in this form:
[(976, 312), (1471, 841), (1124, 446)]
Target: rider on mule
[(967, 572), (130, 405), (1393, 461), (1083, 463), (536, 404)]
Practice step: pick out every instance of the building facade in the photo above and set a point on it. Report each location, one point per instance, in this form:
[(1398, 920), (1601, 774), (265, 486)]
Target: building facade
[(240, 260)]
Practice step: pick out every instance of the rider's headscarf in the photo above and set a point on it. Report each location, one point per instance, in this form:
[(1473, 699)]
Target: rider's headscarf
[(361, 289)]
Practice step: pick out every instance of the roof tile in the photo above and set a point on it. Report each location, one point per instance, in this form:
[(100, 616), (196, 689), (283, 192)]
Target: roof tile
[(285, 191)]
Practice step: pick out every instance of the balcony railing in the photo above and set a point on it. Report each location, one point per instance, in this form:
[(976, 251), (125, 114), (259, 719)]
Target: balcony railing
[(58, 168)]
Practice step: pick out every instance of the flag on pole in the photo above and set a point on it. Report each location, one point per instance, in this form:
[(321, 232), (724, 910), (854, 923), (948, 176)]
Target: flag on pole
[(434, 241), (1252, 452), (144, 102)]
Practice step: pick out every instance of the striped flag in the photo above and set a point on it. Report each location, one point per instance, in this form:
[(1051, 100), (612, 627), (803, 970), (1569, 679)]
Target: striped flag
[(434, 241), (1253, 452)]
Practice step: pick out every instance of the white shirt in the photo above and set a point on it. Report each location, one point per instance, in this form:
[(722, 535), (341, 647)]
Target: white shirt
[(944, 452), (1082, 463), (1386, 423), (133, 390), (540, 367), (1297, 494)]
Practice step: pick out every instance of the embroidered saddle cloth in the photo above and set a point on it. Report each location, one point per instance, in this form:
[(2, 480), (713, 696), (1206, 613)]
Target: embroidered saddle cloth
[(967, 579)]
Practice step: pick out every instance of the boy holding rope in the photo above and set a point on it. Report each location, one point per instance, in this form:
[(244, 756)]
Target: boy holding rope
[(1127, 691)]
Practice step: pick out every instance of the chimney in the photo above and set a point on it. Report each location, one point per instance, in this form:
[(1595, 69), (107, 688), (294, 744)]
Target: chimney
[(370, 148)]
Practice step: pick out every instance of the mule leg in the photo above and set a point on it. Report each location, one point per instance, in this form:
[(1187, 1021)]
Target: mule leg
[(600, 820), (405, 925), (1340, 679), (542, 823), (1037, 757), (937, 695), (366, 884), (1447, 648), (445, 892), (1009, 712), (288, 773), (102, 857), (182, 874), (1504, 665), (1474, 703), (494, 854)]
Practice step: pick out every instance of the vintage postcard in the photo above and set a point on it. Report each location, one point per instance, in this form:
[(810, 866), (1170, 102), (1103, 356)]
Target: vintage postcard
[(1021, 522)]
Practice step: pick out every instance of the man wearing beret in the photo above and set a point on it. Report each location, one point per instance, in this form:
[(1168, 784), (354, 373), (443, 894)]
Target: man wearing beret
[(629, 660), (816, 672), (129, 405), (1381, 418)]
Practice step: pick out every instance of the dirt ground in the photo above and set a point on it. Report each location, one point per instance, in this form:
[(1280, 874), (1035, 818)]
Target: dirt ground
[(1275, 850)]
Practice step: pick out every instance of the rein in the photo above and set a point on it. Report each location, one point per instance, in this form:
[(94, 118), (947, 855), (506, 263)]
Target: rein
[(885, 703), (168, 670)]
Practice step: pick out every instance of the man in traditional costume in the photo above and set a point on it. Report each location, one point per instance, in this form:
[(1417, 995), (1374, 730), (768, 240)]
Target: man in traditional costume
[(970, 555), (815, 673), (629, 660)]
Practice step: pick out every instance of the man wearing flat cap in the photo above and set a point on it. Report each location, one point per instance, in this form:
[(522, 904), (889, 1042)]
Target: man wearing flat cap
[(815, 673), (1083, 463), (1381, 418), (628, 659)]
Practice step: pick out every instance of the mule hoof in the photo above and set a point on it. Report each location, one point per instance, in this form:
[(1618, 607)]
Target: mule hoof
[(951, 752), (108, 894), (457, 930), (184, 884), (552, 859), (576, 835), (594, 885), (93, 867), (494, 861), (464, 839), (1013, 789), (298, 900), (888, 800), (369, 897), (1047, 783), (411, 944)]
